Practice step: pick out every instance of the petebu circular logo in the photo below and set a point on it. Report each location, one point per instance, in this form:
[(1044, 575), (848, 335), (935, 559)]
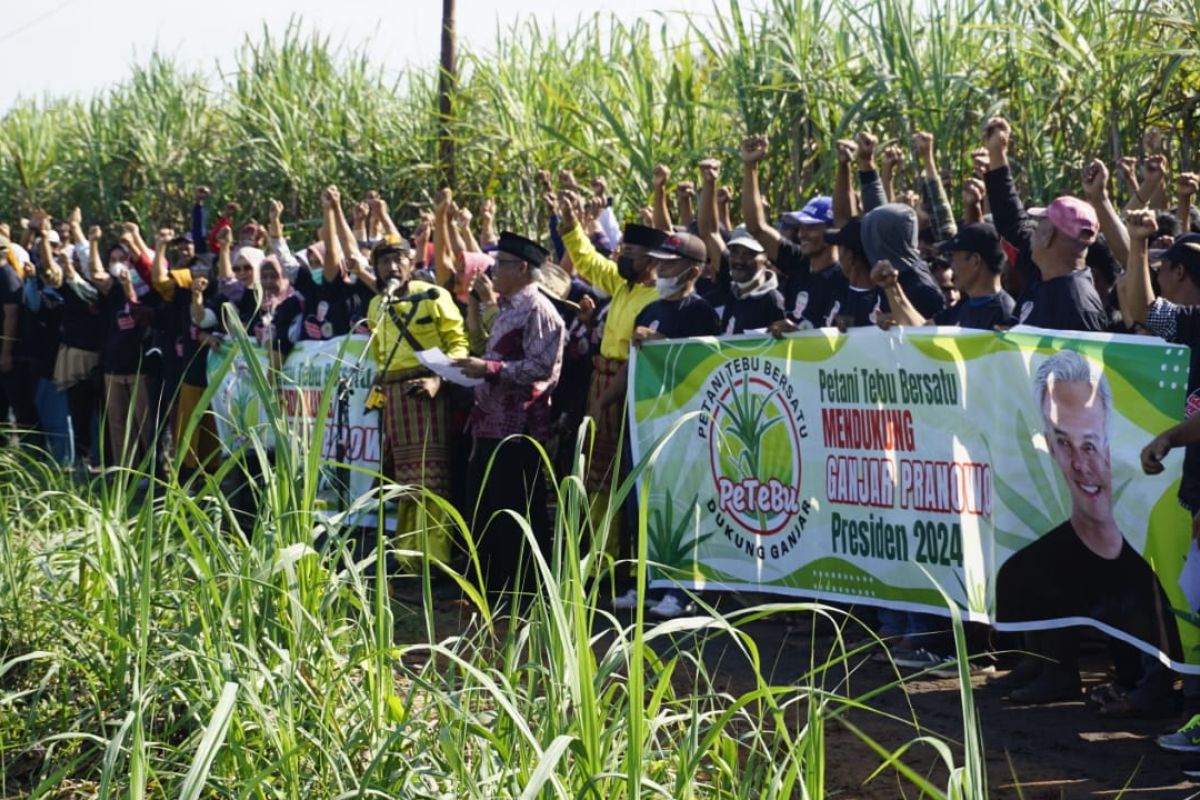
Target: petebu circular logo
[(754, 446)]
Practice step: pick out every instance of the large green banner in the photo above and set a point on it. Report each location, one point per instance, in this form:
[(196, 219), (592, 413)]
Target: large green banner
[(878, 466)]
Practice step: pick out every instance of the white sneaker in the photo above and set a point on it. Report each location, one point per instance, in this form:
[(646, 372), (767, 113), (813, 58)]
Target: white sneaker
[(626, 601), (670, 607)]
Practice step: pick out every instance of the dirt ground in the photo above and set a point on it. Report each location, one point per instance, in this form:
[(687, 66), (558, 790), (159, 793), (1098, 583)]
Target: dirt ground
[(1054, 752)]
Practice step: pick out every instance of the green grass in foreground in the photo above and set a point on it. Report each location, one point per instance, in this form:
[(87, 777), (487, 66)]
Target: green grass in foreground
[(146, 649)]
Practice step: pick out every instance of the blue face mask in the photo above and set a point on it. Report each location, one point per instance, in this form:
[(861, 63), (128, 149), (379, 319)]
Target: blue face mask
[(318, 276)]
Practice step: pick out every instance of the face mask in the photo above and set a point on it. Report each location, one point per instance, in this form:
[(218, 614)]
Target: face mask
[(668, 287), (626, 268), (117, 269)]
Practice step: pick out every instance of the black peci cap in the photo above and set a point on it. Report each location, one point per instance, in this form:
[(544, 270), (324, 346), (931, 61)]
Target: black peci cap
[(527, 250)]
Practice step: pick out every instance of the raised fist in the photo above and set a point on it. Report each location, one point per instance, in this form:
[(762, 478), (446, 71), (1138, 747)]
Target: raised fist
[(662, 174), (846, 150), (94, 233), (1187, 185), (274, 210), (201, 194), (1095, 180), (973, 192), (1142, 224), (979, 161), (442, 199), (883, 274), (754, 148), (198, 286), (710, 170), (996, 135), (923, 144), (1155, 169), (685, 189), (867, 142), (893, 157), (225, 237), (75, 217)]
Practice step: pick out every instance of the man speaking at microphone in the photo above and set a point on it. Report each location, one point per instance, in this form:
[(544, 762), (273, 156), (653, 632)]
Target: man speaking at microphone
[(512, 407), (407, 317)]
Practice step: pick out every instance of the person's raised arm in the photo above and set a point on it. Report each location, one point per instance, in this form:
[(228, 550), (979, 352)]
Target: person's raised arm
[(459, 225), (1154, 144), (224, 254), (1095, 188), (887, 278), (487, 224), (685, 195), (200, 220), (933, 193), (1008, 214), (443, 253), (1138, 292), (1154, 172), (358, 224), (1186, 186), (331, 233), (158, 270), (710, 231), (597, 270), (100, 277), (893, 160), (51, 272), (662, 213), (202, 317), (1127, 170), (724, 206), (974, 193), (843, 190), (868, 177), (754, 150)]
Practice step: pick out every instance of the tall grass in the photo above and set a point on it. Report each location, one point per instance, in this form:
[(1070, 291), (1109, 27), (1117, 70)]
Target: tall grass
[(171, 645), (1080, 78)]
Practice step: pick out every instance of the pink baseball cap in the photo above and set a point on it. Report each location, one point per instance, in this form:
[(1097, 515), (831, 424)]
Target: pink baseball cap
[(1074, 217)]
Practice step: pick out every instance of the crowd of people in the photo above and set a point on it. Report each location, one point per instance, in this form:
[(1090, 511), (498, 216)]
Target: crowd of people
[(112, 335)]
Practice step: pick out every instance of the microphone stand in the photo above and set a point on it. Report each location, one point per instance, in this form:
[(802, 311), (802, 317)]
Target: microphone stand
[(343, 395)]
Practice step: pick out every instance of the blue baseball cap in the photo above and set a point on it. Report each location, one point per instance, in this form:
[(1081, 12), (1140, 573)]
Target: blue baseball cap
[(818, 211)]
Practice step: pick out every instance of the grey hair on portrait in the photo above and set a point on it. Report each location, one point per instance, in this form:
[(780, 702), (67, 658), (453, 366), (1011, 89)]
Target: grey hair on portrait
[(1069, 366)]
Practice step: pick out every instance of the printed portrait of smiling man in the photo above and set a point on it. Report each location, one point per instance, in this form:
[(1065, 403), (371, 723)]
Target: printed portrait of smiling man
[(1084, 567)]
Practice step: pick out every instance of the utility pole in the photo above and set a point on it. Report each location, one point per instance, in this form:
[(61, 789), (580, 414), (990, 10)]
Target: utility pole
[(447, 81)]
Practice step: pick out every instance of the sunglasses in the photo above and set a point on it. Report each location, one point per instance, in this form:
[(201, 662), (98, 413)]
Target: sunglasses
[(241, 268)]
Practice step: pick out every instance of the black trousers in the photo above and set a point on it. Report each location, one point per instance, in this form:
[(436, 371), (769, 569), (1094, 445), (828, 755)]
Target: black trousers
[(506, 475)]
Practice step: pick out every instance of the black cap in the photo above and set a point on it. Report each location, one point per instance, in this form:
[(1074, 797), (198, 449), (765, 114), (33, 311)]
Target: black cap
[(527, 250), (184, 238), (681, 245), (387, 245), (977, 237), (641, 235), (849, 236), (1186, 253)]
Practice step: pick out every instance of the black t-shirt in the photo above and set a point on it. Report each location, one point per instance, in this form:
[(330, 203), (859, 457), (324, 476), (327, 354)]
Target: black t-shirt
[(803, 297), (81, 325), (332, 307), (186, 350), (125, 326), (981, 313), (1059, 576), (1066, 303), (753, 312), (838, 298), (922, 291), (40, 331), (678, 319), (274, 328), (10, 291)]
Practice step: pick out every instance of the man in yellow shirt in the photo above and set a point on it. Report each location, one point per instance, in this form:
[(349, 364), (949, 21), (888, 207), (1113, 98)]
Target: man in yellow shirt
[(416, 413), (630, 282)]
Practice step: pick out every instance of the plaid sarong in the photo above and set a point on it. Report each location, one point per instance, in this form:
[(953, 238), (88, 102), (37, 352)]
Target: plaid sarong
[(416, 438)]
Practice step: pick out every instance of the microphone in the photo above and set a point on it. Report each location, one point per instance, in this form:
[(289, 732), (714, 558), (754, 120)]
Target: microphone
[(391, 288), (429, 294)]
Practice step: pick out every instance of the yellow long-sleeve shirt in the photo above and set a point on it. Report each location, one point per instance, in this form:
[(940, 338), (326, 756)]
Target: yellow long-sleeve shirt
[(437, 323), (627, 301)]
